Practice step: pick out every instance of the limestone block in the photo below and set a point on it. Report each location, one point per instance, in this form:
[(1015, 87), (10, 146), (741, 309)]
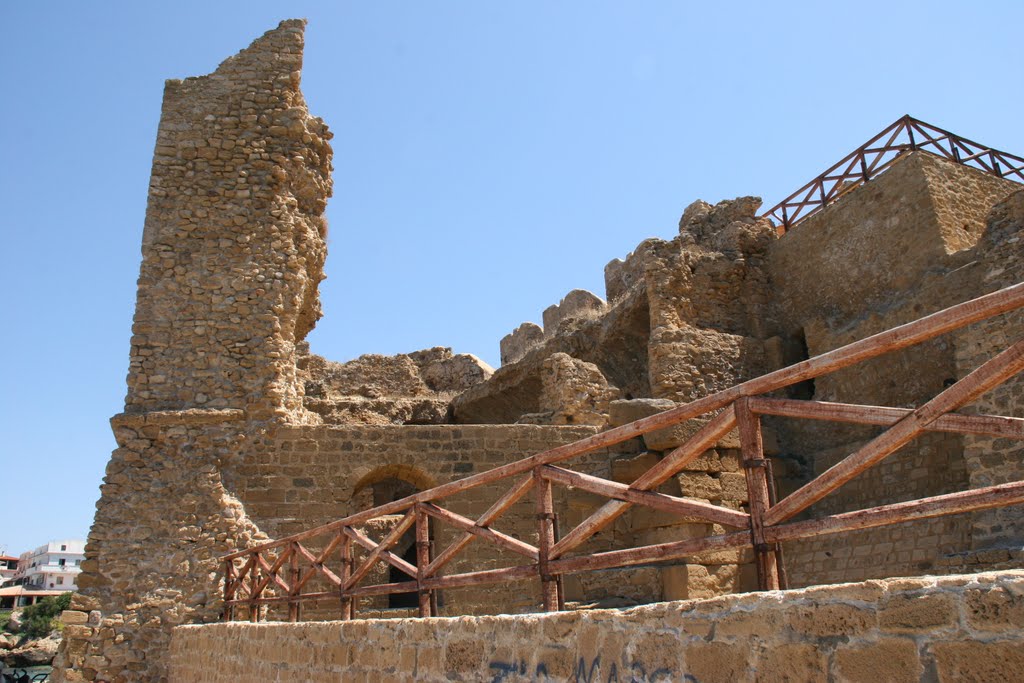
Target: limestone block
[(717, 661), (74, 617), (699, 485), (887, 659), (626, 469), (443, 371), (794, 662), (979, 661), (697, 581), (733, 485), (830, 620), (574, 391), (995, 610), (624, 411), (917, 613)]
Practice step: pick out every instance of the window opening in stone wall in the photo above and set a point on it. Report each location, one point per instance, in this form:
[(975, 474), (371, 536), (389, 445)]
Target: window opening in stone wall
[(410, 599), (795, 351)]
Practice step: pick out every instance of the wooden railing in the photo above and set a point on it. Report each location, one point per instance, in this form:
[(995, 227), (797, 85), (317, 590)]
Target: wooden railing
[(286, 566), (877, 154)]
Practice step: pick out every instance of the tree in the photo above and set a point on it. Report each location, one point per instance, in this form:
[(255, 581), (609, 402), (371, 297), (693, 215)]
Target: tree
[(38, 619)]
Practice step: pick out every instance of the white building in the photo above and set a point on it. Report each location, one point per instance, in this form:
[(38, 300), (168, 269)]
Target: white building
[(8, 568), (54, 566)]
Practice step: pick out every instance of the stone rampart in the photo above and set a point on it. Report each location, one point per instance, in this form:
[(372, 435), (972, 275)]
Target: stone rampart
[(961, 628)]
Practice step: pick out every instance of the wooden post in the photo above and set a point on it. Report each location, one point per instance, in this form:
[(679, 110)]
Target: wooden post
[(229, 590), (348, 606), (559, 583), (754, 470), (294, 576), (254, 594), (545, 540), (423, 560), (780, 557)]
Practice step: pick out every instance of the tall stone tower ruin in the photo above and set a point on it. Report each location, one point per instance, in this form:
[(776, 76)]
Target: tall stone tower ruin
[(232, 253)]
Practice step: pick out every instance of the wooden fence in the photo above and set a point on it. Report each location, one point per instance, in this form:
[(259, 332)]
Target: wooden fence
[(877, 154), (286, 566)]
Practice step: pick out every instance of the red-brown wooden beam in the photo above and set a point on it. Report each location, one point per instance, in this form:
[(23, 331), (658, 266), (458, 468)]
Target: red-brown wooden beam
[(988, 497), (545, 540), (497, 509), (465, 524), (755, 469), (422, 559), (378, 550), (706, 512), (990, 375), (989, 425)]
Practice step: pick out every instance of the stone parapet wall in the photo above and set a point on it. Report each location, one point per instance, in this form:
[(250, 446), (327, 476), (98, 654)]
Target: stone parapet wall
[(960, 628)]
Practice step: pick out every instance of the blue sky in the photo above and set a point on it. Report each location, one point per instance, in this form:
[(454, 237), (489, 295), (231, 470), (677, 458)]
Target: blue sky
[(489, 158)]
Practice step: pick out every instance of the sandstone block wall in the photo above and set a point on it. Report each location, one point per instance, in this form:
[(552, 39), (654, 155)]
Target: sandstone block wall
[(310, 476), (961, 628), (991, 461), (911, 242)]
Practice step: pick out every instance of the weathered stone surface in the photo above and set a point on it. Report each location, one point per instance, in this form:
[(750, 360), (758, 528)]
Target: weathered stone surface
[(519, 341), (413, 388), (885, 659), (730, 638), (577, 304), (574, 391)]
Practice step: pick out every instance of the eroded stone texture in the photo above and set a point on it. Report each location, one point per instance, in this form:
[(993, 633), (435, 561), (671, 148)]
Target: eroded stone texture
[(826, 633), (413, 388), (234, 240), (579, 303), (233, 251), (516, 343), (574, 392)]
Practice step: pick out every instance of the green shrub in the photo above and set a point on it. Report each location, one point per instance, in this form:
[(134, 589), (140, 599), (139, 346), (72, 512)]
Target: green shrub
[(38, 619)]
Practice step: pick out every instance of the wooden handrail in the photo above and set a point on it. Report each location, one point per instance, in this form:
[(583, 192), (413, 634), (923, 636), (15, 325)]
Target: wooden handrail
[(249, 572)]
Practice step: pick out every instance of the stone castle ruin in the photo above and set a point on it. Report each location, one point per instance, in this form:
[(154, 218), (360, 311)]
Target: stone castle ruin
[(234, 432)]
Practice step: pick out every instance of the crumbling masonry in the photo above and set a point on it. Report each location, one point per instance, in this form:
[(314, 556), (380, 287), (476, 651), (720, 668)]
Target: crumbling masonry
[(234, 432)]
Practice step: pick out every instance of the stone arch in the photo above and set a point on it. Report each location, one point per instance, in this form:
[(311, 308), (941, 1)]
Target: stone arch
[(388, 483)]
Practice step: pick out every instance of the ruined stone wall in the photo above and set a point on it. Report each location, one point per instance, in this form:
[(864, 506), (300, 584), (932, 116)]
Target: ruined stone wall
[(219, 445), (949, 629), (232, 252), (234, 240), (999, 263), (892, 251)]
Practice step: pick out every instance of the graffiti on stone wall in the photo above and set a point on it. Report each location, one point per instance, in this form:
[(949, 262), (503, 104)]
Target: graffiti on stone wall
[(634, 672)]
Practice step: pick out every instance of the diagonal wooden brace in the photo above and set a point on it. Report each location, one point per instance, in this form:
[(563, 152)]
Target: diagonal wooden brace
[(988, 376)]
